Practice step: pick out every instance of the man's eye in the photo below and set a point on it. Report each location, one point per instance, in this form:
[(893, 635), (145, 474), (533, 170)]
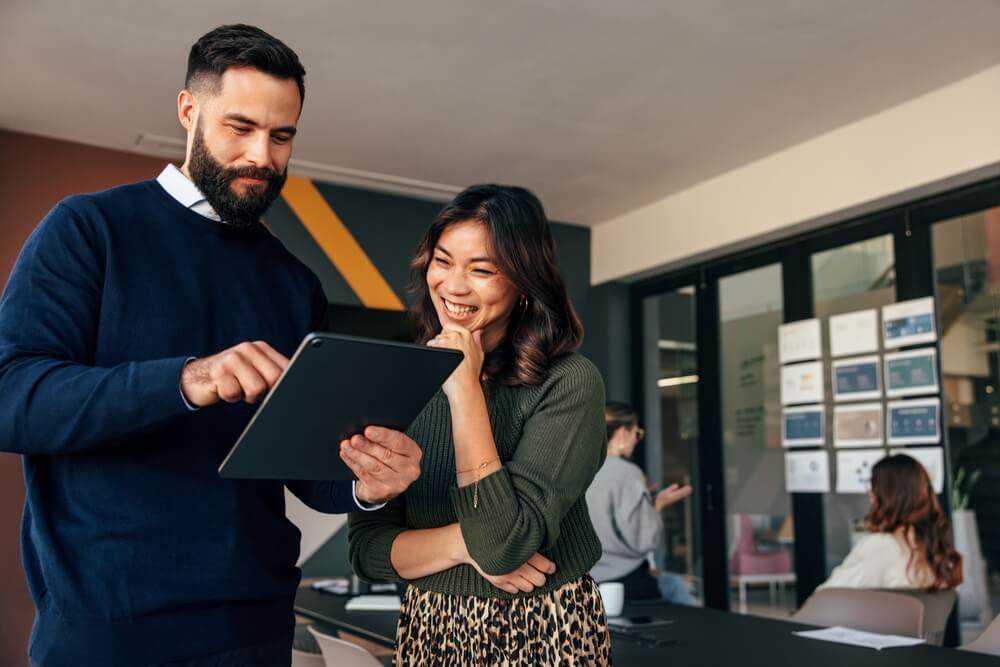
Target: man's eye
[(241, 130)]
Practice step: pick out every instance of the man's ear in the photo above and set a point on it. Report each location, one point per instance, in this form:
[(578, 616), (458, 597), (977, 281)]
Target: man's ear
[(187, 109)]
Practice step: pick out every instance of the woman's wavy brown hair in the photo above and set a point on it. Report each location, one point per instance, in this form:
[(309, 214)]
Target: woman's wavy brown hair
[(521, 246), (904, 498)]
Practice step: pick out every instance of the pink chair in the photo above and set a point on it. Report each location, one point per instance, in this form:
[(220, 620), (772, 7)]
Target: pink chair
[(748, 559), (749, 565)]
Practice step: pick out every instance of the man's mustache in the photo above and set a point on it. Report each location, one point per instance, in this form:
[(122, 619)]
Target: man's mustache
[(269, 175)]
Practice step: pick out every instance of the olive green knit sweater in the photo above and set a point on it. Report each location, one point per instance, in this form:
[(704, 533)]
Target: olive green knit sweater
[(551, 440)]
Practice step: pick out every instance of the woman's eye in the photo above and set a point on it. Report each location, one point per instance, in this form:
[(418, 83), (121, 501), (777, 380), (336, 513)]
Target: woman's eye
[(441, 261)]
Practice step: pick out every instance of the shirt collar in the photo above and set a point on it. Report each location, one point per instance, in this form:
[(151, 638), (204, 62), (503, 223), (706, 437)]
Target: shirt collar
[(185, 192)]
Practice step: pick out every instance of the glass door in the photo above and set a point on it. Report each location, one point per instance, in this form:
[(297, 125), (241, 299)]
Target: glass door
[(758, 510), (967, 273), (670, 391)]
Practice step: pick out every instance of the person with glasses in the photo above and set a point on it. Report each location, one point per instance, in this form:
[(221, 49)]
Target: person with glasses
[(627, 517)]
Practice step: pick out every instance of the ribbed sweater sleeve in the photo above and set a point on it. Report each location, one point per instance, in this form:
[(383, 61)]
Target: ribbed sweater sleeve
[(370, 537), (54, 399), (562, 447)]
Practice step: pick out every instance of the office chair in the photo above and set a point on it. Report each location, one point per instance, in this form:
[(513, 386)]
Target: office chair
[(885, 612), (338, 653), (937, 608), (988, 642)]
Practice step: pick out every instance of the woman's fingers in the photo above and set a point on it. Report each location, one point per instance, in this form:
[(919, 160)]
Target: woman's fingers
[(542, 564)]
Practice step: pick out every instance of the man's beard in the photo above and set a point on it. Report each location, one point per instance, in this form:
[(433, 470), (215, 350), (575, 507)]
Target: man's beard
[(215, 182)]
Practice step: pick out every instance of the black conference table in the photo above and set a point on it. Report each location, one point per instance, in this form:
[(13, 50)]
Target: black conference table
[(695, 637)]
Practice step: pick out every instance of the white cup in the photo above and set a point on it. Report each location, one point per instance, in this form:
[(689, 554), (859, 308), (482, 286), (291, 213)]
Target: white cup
[(613, 595)]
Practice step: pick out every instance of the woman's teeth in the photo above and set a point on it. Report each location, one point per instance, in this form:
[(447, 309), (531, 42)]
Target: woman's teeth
[(456, 309)]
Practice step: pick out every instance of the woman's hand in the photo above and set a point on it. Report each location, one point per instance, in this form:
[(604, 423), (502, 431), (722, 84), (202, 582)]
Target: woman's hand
[(469, 373), (671, 495), (524, 579)]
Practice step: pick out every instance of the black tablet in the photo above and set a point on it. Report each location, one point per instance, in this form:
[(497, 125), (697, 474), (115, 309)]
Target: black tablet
[(334, 387)]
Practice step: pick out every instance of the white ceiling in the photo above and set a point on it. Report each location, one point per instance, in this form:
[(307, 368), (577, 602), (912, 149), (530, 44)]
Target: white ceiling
[(599, 106)]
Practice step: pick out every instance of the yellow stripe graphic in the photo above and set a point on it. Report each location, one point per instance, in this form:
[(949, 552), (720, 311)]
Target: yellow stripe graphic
[(339, 244)]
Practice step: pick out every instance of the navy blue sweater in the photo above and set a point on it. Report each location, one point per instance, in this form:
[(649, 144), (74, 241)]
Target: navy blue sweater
[(135, 550)]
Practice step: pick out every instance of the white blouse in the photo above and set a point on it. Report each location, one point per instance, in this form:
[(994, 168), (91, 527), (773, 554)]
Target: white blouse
[(878, 560)]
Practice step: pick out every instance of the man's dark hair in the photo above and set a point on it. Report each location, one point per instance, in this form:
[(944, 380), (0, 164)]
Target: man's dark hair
[(241, 46)]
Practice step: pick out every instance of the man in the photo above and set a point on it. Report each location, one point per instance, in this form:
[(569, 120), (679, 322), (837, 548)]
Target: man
[(138, 326)]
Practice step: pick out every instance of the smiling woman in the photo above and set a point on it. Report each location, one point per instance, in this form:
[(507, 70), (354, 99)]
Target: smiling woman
[(492, 248), (494, 537)]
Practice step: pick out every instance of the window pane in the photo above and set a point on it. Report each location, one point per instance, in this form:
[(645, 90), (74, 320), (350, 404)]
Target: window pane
[(858, 276), (671, 377), (758, 510), (967, 270)]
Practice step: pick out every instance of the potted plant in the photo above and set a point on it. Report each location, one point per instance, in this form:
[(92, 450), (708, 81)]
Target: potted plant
[(973, 596)]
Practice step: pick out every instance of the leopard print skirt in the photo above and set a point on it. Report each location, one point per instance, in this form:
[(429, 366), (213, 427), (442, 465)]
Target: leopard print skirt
[(565, 627)]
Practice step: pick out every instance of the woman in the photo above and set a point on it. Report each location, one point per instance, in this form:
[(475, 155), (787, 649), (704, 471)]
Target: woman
[(494, 537), (627, 520), (909, 542)]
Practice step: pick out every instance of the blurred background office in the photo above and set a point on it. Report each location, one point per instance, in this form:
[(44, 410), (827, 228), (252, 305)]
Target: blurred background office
[(716, 169)]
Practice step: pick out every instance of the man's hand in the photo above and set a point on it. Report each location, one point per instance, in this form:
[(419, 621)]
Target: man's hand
[(524, 579), (385, 462), (242, 373), (671, 495)]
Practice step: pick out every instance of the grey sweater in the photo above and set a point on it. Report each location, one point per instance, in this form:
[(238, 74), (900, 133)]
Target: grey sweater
[(623, 515)]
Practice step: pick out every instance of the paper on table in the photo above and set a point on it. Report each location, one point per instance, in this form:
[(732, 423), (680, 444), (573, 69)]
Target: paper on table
[(843, 635), (374, 603)]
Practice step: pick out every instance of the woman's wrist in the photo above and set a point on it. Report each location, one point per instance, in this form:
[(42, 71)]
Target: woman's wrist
[(464, 392), (459, 552)]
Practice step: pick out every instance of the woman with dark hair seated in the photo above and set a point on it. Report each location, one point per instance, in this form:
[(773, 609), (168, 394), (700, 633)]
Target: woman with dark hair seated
[(909, 542), (494, 538)]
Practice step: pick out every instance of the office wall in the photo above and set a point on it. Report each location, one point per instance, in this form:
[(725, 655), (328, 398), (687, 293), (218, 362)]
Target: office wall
[(936, 141), (36, 172)]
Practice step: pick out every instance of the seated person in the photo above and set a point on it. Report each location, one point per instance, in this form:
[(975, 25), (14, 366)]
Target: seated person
[(909, 542), (627, 519)]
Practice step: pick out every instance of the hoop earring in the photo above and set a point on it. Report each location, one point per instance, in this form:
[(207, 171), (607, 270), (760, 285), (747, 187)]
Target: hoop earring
[(523, 302)]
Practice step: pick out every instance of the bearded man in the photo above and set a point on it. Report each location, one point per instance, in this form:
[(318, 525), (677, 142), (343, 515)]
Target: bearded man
[(138, 327)]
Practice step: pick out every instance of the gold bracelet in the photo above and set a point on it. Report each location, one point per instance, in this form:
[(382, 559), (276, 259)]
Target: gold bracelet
[(475, 485)]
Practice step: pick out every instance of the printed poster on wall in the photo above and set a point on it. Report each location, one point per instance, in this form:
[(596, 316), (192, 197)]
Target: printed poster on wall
[(807, 472), (932, 459), (857, 425), (854, 469), (854, 333), (909, 323), (856, 378), (914, 422), (802, 383), (803, 426), (800, 341), (911, 373)]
